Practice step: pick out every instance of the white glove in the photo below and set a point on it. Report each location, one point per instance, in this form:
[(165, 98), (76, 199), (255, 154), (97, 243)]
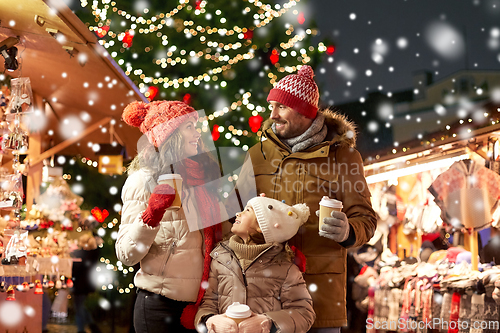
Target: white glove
[(221, 324), (335, 227), (255, 324)]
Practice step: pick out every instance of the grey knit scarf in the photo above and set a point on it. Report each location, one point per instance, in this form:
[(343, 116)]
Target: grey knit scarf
[(315, 134)]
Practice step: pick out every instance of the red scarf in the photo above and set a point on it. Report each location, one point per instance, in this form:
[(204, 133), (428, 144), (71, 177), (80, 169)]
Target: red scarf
[(210, 218)]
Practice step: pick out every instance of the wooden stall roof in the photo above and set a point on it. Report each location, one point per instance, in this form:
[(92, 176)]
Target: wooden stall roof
[(71, 71)]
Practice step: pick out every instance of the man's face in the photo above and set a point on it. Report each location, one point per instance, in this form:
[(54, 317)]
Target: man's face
[(289, 123)]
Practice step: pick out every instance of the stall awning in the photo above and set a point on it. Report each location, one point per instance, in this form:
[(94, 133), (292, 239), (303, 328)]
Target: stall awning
[(72, 73)]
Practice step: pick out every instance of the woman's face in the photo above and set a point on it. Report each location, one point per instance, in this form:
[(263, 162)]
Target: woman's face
[(190, 137), (245, 223)]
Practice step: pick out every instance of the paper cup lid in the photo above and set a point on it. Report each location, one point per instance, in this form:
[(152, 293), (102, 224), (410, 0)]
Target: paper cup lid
[(329, 202), (169, 176), (237, 310)]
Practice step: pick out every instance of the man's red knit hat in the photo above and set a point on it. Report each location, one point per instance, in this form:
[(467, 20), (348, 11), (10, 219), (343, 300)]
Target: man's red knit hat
[(158, 119), (298, 91)]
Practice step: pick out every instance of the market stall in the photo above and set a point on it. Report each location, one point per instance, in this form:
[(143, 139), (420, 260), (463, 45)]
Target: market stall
[(61, 93), (432, 203)]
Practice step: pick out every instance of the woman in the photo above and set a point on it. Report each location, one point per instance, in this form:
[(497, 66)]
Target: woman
[(173, 260)]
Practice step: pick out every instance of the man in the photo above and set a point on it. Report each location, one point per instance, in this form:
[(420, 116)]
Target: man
[(305, 155)]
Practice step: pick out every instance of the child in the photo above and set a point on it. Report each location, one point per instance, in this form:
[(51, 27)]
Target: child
[(253, 267)]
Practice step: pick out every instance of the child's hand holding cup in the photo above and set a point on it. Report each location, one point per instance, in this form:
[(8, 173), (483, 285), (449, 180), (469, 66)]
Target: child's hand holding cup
[(238, 312), (326, 206)]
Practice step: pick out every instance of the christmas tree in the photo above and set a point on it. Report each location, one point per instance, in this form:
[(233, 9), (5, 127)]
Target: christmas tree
[(217, 55)]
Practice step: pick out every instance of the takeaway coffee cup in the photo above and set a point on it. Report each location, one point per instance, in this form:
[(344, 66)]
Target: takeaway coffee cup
[(174, 180), (238, 312), (326, 206)]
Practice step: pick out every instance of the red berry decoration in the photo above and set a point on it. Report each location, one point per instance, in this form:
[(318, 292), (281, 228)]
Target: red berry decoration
[(330, 49), (153, 91)]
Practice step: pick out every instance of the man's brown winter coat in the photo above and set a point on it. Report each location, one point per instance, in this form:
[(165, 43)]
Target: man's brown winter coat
[(270, 285), (332, 168)]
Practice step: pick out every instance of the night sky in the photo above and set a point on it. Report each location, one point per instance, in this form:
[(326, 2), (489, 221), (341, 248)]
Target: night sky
[(441, 36)]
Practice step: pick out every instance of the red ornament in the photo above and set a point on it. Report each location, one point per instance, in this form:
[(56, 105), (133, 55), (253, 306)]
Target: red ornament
[(255, 122), (187, 99), (153, 91), (330, 49), (248, 34), (198, 4), (127, 39), (300, 18), (274, 57), (215, 133), (99, 215), (101, 32)]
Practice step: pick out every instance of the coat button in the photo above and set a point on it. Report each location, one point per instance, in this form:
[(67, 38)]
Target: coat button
[(228, 262), (260, 261), (216, 254)]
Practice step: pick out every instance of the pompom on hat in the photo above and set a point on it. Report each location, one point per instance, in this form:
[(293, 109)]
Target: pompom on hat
[(298, 91), (278, 221), (158, 119)]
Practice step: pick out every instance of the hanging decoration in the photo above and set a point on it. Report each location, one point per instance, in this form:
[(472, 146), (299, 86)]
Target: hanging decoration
[(274, 57), (102, 31), (255, 122), (300, 18), (127, 38), (215, 133), (187, 99), (330, 49), (152, 93), (99, 215)]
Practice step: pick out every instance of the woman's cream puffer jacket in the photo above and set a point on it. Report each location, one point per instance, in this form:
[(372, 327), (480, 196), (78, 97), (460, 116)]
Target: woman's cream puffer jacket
[(171, 257)]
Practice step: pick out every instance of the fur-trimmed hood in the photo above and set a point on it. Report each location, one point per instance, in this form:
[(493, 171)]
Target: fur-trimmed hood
[(340, 129)]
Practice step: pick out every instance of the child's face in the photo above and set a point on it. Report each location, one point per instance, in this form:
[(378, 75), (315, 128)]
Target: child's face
[(246, 223)]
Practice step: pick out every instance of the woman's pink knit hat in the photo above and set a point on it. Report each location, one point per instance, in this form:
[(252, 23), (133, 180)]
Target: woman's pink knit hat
[(298, 91), (158, 119)]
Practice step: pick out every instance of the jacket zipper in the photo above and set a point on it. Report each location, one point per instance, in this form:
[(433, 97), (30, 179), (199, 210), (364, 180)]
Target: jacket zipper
[(172, 251)]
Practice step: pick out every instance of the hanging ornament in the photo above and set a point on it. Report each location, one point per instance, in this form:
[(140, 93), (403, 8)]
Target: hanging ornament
[(21, 96), (215, 133), (300, 18), (64, 285), (152, 92), (23, 287), (58, 284), (255, 122), (103, 31), (45, 282), (187, 99), (99, 215), (3, 287), (11, 293), (51, 284), (248, 34), (330, 49), (38, 288), (127, 39), (69, 283), (274, 57), (16, 140)]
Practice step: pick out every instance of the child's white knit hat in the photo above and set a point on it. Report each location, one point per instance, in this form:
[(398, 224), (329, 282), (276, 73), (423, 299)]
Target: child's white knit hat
[(278, 221)]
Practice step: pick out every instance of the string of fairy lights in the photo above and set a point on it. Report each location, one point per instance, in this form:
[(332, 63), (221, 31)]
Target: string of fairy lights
[(214, 50)]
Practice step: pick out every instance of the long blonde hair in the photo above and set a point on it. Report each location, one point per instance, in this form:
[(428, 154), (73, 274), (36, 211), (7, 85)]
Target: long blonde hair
[(169, 156)]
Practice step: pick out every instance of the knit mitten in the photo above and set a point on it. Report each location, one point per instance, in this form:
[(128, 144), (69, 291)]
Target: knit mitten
[(221, 324), (255, 324), (162, 197)]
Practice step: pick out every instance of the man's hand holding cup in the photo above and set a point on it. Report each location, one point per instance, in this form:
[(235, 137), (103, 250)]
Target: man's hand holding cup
[(333, 222)]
